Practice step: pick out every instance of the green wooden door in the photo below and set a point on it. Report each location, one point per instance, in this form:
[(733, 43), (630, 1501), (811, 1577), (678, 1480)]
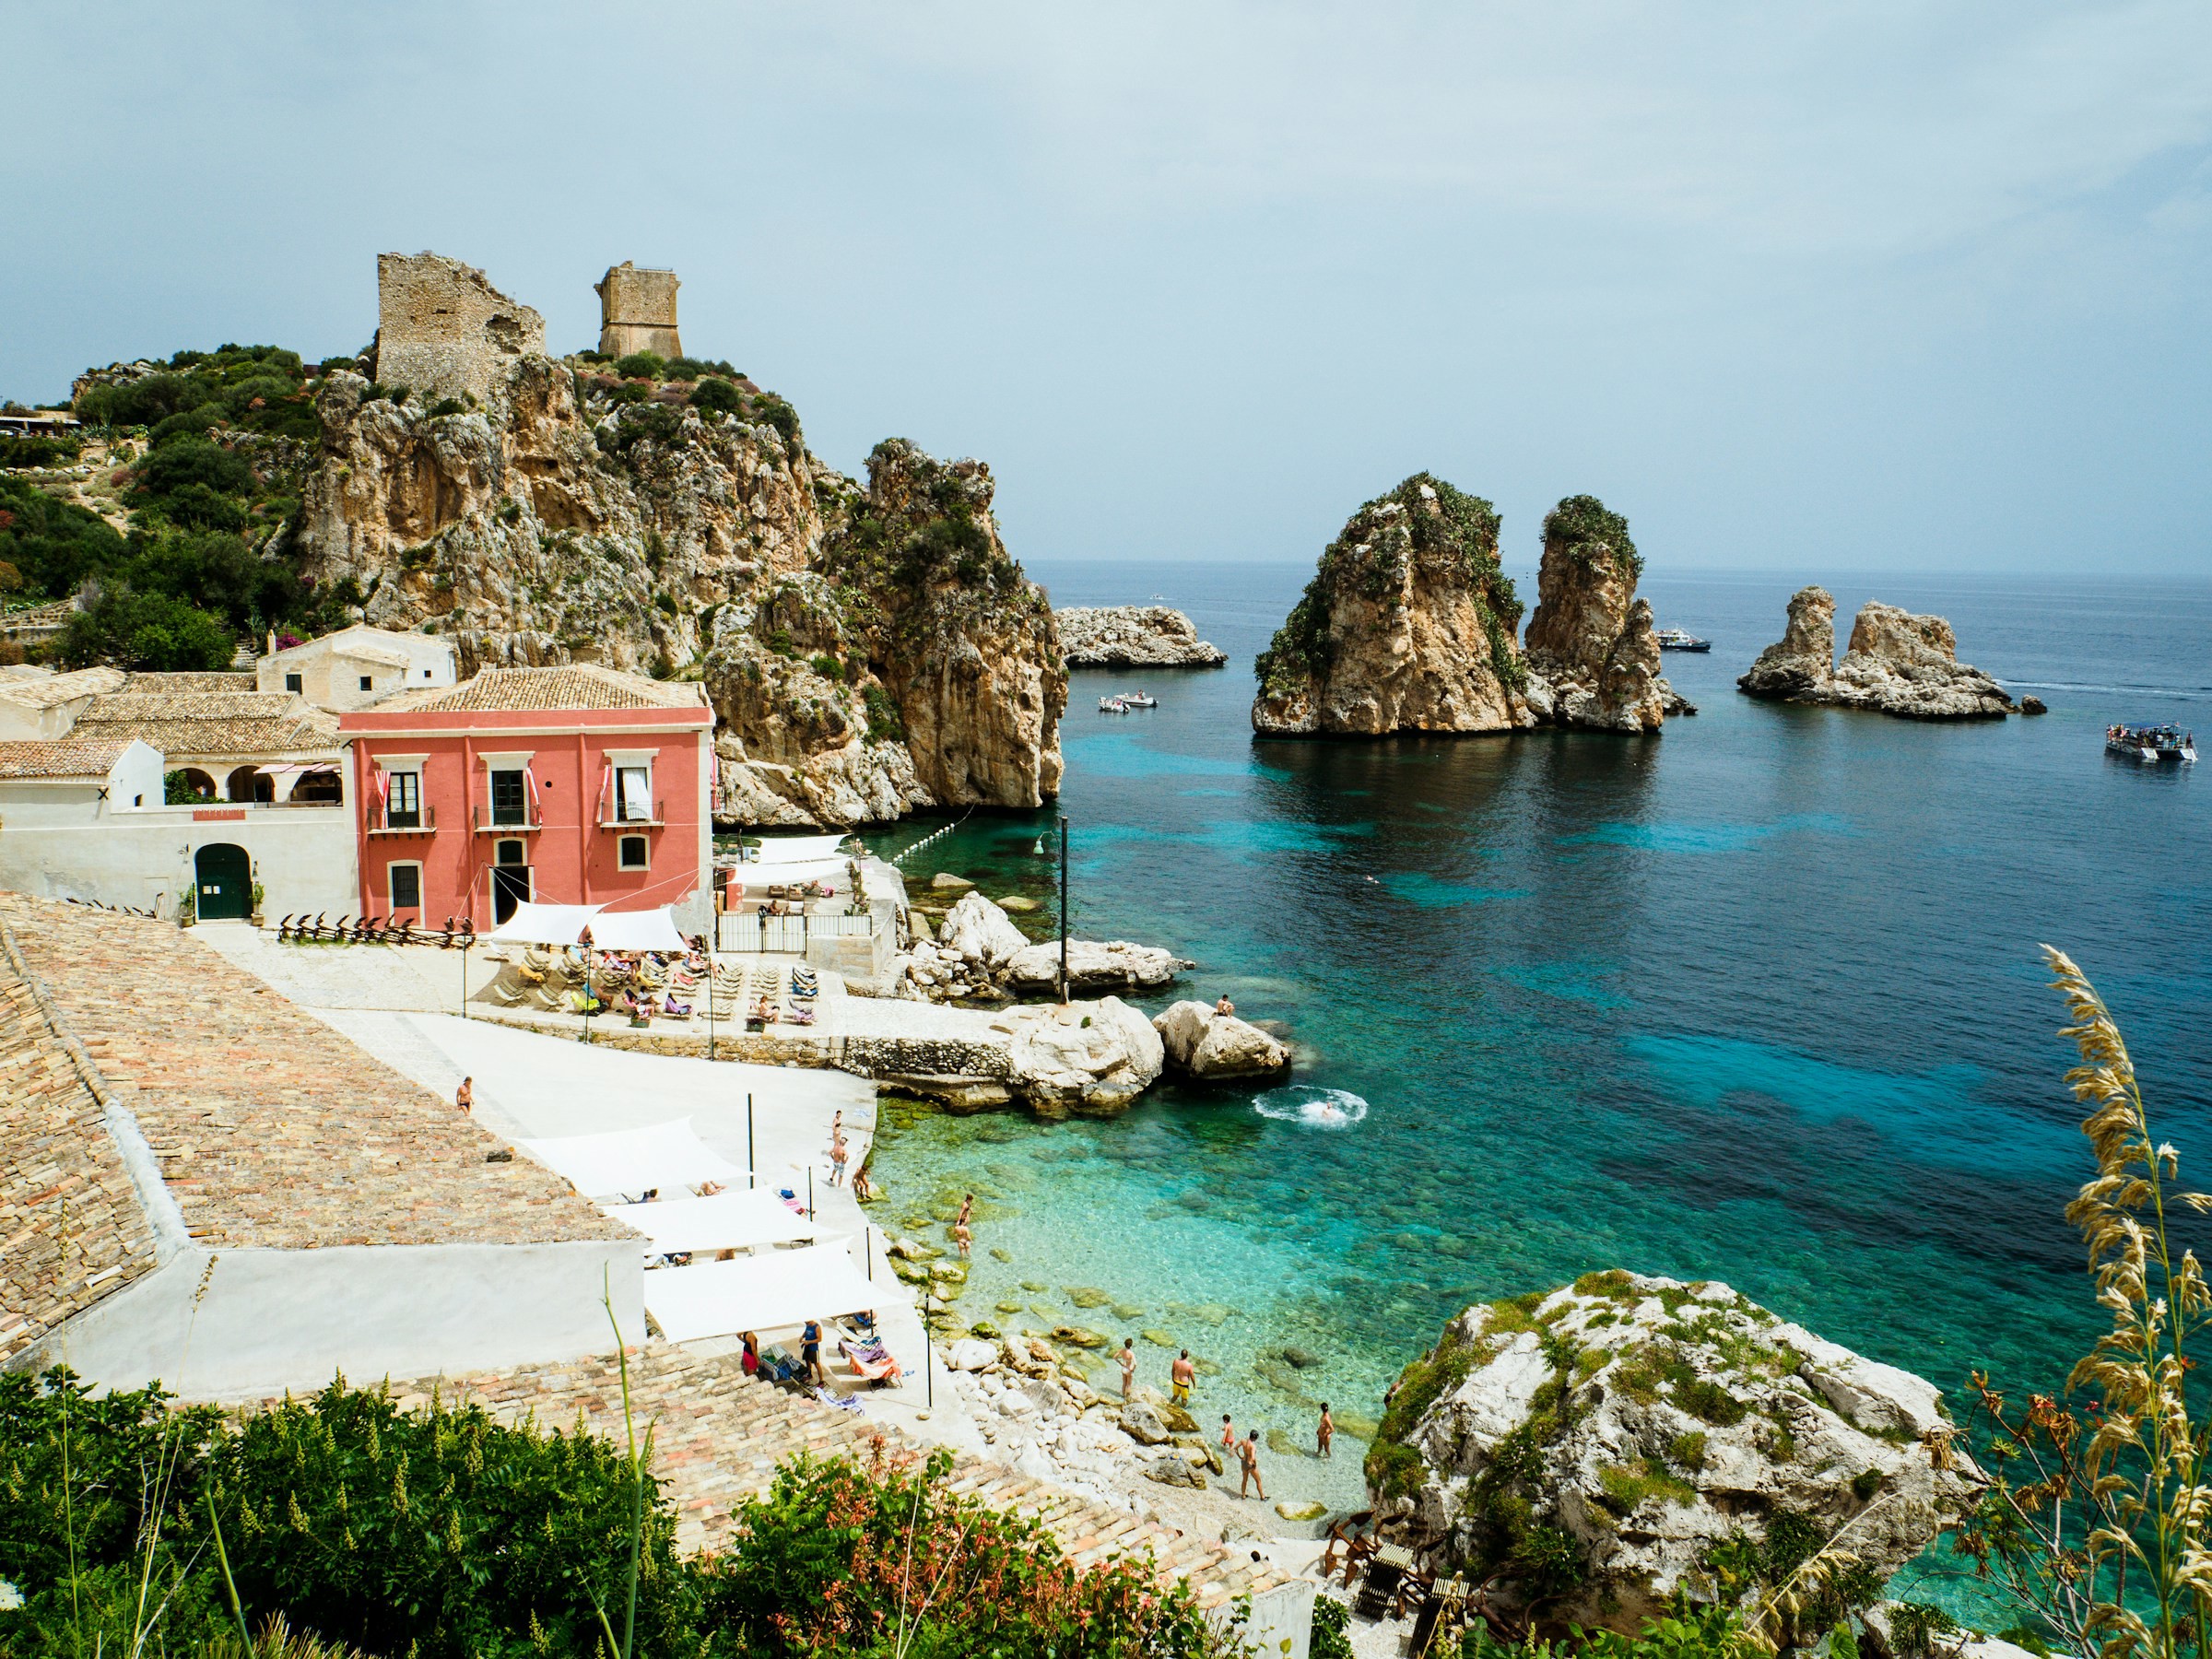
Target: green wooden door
[(226, 880)]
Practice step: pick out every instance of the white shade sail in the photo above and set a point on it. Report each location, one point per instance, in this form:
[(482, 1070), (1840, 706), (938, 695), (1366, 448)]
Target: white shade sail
[(545, 924), (724, 1221), (666, 1156), (795, 849), (758, 879), (759, 1293), (636, 929)]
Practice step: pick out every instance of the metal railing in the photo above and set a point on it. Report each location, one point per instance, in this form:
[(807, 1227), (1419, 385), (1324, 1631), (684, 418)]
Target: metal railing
[(659, 817), (753, 932), (383, 820), (505, 819)]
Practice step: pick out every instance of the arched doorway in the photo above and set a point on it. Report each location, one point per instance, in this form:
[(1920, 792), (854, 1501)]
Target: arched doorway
[(251, 783), (319, 786), (509, 880), (225, 875)]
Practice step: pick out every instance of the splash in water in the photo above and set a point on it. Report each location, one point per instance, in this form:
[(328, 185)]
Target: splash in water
[(1314, 1107)]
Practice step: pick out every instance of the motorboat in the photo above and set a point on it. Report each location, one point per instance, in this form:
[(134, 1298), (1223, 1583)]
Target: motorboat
[(1138, 699), (1675, 639), (2163, 744), (1113, 705)]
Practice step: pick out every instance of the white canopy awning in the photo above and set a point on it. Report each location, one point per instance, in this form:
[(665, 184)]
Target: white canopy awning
[(636, 929), (758, 879), (667, 1155), (795, 849), (725, 1221), (545, 924), (757, 1293)]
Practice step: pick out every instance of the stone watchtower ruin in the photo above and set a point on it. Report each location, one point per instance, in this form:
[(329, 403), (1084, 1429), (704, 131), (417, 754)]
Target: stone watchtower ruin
[(637, 312), (443, 331)]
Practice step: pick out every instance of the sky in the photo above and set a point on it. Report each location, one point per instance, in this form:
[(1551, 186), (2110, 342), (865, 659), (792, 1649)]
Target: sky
[(1829, 288)]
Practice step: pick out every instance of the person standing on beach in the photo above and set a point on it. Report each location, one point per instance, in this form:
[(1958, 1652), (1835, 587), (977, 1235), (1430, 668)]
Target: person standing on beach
[(963, 1234), (1326, 1432), (1179, 1376), (838, 1154), (1248, 1454), (1126, 1359), (464, 1097), (810, 1355)]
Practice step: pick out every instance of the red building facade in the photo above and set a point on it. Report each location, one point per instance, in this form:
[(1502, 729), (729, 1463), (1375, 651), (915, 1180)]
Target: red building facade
[(570, 785)]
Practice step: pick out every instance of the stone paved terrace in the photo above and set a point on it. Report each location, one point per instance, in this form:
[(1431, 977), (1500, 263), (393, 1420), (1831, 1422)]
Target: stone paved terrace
[(271, 1130), (719, 1436), (72, 1229)]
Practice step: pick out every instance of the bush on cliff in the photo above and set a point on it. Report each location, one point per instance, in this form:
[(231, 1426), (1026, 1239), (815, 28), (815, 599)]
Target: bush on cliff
[(38, 452), (54, 545), (1586, 531), (255, 388), (155, 632)]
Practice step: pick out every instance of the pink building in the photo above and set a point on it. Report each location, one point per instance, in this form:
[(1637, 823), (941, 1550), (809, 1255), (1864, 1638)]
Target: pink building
[(574, 785)]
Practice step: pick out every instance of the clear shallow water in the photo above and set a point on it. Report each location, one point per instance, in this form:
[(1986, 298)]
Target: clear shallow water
[(1756, 1001)]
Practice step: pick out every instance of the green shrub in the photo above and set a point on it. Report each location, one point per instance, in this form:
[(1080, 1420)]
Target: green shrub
[(887, 721), (1583, 528), (713, 394), (41, 452), (446, 406), (626, 391), (829, 667), (1331, 1630), (152, 631), (652, 421), (642, 365), (54, 545), (772, 410)]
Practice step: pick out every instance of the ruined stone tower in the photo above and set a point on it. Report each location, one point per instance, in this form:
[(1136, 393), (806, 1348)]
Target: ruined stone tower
[(637, 312), (443, 330)]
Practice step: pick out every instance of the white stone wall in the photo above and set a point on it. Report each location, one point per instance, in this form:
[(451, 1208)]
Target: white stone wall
[(330, 678), (60, 841)]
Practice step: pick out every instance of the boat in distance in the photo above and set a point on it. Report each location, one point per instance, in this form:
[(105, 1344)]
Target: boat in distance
[(1675, 639), (2165, 743)]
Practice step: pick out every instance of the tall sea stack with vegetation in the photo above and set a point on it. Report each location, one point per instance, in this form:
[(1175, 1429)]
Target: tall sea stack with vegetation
[(1408, 626)]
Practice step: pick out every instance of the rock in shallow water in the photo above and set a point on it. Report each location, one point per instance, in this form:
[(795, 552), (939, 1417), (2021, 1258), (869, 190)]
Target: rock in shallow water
[(1896, 663), (1644, 1422), (1132, 636), (1214, 1047), (1115, 965)]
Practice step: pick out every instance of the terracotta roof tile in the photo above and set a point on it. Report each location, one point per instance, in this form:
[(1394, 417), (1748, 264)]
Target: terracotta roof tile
[(71, 756), (270, 1128), (211, 723), (575, 685), (212, 679), (44, 690), (72, 1229)]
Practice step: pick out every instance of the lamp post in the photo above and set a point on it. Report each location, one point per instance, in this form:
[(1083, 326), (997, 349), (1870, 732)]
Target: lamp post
[(1063, 909)]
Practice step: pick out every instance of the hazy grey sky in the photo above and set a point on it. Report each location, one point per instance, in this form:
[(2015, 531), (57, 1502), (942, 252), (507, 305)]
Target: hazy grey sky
[(1811, 286)]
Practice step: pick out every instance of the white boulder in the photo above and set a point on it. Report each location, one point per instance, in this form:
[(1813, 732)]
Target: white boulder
[(1090, 1059), (1115, 965), (979, 931), (1217, 1047)]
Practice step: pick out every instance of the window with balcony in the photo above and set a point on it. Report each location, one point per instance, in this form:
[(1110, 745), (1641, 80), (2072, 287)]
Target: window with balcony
[(633, 794), (509, 797), (403, 804)]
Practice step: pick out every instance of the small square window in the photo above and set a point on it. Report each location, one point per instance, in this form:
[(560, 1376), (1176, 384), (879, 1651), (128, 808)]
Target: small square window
[(407, 886), (366, 684), (634, 855), (292, 682)]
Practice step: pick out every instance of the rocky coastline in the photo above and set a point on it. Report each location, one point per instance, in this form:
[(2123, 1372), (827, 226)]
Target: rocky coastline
[(1896, 663), (1132, 636)]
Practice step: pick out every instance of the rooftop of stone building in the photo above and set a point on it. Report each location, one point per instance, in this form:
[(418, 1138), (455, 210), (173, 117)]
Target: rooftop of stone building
[(71, 756), (269, 1128), (210, 721), (192, 679), (572, 685), (72, 1229), (719, 1436), (45, 691)]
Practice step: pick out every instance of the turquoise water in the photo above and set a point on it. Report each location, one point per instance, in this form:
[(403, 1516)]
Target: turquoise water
[(1756, 1001)]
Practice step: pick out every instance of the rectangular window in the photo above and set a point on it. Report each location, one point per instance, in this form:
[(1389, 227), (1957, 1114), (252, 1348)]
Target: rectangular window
[(633, 794), (367, 684), (293, 683), (407, 886), (635, 855), (509, 798), (404, 808)]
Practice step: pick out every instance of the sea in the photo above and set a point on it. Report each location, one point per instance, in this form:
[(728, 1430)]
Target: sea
[(1757, 1000)]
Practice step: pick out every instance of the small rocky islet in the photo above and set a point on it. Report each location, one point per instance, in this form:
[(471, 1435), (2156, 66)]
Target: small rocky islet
[(1132, 636), (1896, 663)]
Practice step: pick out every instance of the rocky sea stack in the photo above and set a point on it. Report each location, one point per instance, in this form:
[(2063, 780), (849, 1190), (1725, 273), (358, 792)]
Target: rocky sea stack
[(1593, 652), (1896, 663), (1408, 626), (1132, 636), (868, 651), (1600, 1447)]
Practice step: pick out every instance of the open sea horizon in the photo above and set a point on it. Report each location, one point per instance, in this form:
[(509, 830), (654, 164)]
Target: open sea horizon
[(1757, 1000)]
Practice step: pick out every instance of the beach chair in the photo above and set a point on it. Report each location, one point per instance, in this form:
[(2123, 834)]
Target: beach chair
[(870, 1363)]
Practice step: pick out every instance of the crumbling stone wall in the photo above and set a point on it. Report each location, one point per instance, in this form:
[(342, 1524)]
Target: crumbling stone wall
[(637, 312), (443, 330)]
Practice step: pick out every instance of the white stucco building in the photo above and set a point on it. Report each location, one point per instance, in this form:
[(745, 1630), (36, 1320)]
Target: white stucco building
[(357, 667)]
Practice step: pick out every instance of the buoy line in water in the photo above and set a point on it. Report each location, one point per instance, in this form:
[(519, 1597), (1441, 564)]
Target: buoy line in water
[(1309, 1104)]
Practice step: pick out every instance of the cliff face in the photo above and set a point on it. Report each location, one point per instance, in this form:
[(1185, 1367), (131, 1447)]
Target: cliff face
[(856, 676), (1593, 652), (1801, 665), (1406, 626)]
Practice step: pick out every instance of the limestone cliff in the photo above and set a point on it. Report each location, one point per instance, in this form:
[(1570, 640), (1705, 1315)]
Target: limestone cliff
[(867, 652), (1801, 665), (1896, 663), (1406, 626), (1593, 652)]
